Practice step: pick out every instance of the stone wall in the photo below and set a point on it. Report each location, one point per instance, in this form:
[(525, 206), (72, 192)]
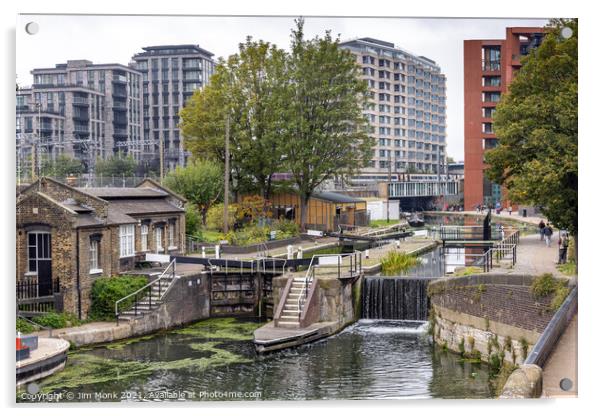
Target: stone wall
[(339, 301), (488, 315)]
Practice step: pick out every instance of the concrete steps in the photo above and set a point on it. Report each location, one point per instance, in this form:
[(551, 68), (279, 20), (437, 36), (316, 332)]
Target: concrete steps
[(143, 306), (291, 313)]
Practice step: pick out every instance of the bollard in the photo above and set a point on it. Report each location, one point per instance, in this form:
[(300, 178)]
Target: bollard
[(203, 252), (300, 253), (367, 254), (289, 252), (217, 251), (398, 244)]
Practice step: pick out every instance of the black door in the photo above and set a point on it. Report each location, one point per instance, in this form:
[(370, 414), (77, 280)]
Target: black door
[(40, 263), (44, 277)]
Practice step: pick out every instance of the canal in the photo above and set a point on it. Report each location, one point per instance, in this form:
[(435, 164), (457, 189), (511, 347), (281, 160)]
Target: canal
[(371, 359)]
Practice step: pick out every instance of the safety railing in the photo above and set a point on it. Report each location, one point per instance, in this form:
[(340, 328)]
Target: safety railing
[(351, 262), (263, 265), (165, 280)]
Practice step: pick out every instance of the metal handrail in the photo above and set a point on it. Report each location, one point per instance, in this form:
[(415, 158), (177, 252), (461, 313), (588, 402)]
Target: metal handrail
[(48, 328), (262, 260), (162, 276), (311, 273)]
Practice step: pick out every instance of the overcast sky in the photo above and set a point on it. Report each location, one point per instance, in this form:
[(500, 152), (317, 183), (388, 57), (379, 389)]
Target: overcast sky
[(114, 39)]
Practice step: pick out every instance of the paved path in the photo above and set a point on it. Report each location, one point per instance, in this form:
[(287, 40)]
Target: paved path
[(535, 258), (562, 363), (504, 215)]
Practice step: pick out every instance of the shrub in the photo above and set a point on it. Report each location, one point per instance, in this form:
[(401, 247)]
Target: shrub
[(24, 327), (287, 228), (215, 216), (559, 296), (193, 220), (107, 290), (57, 320), (461, 347), (525, 347), (471, 342), (543, 285), (395, 262)]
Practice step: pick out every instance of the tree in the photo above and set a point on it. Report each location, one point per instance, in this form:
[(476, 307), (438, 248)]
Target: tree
[(201, 182), (116, 165), (245, 88), (536, 126), (324, 131), (62, 166)]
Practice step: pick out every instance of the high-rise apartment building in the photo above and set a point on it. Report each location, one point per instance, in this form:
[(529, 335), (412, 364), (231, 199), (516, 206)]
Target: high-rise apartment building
[(489, 67), (170, 76), (82, 110), (406, 111)]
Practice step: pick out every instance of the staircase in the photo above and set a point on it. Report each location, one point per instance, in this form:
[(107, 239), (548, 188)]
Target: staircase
[(291, 313), (149, 297)]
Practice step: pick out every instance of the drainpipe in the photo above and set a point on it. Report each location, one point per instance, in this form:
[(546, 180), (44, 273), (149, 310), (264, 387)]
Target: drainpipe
[(79, 292)]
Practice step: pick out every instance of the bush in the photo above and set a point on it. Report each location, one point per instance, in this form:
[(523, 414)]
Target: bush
[(286, 229), (24, 327), (193, 220), (395, 262), (107, 290), (57, 320), (215, 217), (543, 285)]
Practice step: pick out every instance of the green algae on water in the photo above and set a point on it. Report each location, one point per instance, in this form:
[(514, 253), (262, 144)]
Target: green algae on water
[(221, 328)]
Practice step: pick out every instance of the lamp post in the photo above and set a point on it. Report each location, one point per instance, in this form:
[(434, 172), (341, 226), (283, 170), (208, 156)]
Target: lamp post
[(226, 173)]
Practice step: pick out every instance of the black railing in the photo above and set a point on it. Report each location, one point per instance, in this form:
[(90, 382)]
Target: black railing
[(31, 288)]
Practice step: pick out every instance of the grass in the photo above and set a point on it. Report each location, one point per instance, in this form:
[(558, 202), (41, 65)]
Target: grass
[(568, 269), (467, 271), (546, 285), (395, 262), (382, 223)]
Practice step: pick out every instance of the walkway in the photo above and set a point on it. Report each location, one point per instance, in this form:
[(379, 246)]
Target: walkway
[(534, 258), (503, 215), (562, 363)]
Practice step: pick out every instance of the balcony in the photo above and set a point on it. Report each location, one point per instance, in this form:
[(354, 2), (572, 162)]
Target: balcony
[(120, 106), (119, 132), (81, 101), (120, 79)]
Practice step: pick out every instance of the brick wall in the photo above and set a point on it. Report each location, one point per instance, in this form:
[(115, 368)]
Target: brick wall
[(509, 304)]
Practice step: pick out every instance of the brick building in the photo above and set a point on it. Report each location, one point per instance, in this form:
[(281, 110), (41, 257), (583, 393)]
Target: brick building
[(489, 67), (66, 237)]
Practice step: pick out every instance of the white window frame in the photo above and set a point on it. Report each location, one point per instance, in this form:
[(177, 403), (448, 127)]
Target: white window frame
[(144, 237), (171, 236), (159, 240), (126, 240), (37, 256), (94, 257)]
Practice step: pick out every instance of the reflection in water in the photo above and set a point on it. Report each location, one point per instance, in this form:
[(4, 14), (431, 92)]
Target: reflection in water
[(372, 359)]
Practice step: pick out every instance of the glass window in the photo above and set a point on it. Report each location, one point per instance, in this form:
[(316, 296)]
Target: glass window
[(159, 239), (172, 228), (126, 240), (94, 255), (144, 237)]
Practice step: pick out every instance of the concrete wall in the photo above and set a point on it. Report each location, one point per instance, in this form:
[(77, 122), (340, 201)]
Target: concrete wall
[(187, 301), (378, 209)]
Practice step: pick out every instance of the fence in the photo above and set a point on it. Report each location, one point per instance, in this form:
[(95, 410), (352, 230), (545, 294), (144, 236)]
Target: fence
[(30, 288), (96, 181)]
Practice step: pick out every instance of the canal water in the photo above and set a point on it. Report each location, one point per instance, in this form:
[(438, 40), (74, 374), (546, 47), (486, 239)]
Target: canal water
[(215, 360)]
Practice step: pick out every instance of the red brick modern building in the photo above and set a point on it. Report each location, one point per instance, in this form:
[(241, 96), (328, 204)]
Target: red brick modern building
[(489, 67)]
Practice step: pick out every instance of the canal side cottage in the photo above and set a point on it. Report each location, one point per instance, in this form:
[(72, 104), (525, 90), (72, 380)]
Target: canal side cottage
[(66, 237)]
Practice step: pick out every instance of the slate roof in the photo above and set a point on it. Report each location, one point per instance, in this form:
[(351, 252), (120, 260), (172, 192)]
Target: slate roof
[(110, 193), (334, 197)]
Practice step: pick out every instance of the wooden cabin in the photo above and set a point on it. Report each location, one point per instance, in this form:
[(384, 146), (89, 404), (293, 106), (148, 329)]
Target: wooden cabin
[(326, 210)]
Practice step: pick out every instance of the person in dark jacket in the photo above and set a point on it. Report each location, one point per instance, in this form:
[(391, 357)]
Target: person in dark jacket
[(542, 225), (547, 234)]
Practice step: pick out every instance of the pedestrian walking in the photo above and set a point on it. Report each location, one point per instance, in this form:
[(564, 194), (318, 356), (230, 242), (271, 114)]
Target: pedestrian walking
[(547, 233), (563, 247), (542, 225), (502, 232), (509, 209)]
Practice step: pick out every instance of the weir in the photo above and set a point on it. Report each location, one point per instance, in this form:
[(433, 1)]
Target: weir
[(402, 298)]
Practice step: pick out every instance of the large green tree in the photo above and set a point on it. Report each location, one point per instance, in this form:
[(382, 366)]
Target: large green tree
[(201, 182), (116, 165), (324, 131), (245, 88), (536, 126), (62, 166)]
